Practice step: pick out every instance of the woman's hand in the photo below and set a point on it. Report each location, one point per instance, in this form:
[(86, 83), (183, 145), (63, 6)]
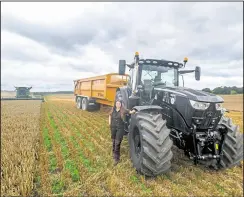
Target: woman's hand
[(132, 111), (109, 120)]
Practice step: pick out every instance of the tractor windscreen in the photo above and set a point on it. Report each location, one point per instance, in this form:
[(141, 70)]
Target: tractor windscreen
[(158, 75)]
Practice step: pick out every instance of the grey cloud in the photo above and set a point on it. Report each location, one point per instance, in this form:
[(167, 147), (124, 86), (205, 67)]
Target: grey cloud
[(62, 39), (83, 68), (51, 36), (199, 37), (19, 54), (217, 52), (157, 30), (199, 24), (219, 73)]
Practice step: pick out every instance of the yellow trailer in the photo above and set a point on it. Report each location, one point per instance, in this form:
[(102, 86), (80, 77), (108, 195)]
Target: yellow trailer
[(98, 90)]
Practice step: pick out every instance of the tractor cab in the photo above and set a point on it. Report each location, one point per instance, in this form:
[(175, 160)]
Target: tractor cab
[(149, 74)]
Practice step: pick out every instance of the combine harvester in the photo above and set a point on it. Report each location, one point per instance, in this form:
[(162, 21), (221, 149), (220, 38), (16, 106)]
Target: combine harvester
[(166, 114), (23, 93)]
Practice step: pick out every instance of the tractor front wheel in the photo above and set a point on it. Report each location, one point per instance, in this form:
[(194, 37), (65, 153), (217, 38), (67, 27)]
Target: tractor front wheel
[(232, 146), (150, 145)]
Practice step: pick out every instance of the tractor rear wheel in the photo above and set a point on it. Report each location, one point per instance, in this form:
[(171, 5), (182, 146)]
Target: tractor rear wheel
[(232, 146), (150, 145)]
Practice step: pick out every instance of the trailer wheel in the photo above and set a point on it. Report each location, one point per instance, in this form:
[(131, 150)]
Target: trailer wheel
[(150, 145), (97, 106), (232, 145), (85, 104), (78, 102)]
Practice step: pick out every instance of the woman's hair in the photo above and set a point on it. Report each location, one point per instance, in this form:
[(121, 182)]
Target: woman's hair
[(122, 109)]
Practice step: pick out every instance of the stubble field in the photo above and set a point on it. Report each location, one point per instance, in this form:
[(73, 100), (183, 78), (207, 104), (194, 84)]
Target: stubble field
[(20, 133), (74, 158)]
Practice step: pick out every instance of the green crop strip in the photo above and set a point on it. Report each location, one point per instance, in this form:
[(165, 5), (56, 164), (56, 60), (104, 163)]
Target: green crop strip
[(69, 164), (84, 160), (98, 120), (58, 137), (57, 185), (143, 187), (48, 145), (83, 124), (89, 145), (76, 128), (53, 162), (47, 140), (220, 188)]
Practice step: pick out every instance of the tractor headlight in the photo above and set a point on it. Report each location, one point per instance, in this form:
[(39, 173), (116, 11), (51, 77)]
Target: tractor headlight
[(199, 105), (218, 106)]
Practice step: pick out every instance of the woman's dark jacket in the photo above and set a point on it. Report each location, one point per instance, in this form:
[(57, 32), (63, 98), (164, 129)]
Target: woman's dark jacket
[(118, 118)]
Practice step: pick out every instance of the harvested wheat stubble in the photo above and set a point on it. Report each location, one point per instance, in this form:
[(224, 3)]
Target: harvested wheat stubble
[(20, 135), (233, 102), (88, 133)]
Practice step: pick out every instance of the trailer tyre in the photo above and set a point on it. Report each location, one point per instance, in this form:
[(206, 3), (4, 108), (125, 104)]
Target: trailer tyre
[(97, 106), (78, 102), (85, 104), (232, 145), (150, 145)]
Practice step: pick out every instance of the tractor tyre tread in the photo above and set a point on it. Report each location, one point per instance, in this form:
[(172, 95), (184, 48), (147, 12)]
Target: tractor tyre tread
[(156, 145), (232, 145)]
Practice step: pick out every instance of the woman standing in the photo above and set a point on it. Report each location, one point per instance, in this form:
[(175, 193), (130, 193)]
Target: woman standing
[(116, 122)]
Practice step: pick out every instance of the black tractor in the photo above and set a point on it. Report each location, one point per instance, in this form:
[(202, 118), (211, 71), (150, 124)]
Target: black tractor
[(168, 114)]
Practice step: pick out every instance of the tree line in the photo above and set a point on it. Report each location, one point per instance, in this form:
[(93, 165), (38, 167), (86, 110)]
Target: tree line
[(57, 92), (225, 90), (218, 90)]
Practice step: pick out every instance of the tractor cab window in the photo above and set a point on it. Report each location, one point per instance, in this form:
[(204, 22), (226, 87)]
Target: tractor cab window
[(168, 77), (157, 75), (148, 75)]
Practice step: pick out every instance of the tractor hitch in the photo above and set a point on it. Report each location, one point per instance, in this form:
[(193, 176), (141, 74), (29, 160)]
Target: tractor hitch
[(204, 157)]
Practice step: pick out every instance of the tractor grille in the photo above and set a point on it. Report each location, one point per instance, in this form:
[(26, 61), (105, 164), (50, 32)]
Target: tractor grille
[(206, 119)]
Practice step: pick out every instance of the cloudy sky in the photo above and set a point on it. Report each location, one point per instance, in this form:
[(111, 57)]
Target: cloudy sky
[(48, 45)]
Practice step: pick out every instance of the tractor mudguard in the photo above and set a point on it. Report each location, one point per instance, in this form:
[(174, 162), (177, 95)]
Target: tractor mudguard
[(148, 108)]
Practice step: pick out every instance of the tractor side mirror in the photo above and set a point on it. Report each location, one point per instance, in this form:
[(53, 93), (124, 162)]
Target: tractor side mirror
[(197, 73), (122, 65)]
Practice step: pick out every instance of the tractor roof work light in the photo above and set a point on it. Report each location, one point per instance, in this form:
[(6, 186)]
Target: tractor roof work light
[(185, 60)]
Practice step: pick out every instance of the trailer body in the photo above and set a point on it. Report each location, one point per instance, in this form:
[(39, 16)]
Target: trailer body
[(100, 89)]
